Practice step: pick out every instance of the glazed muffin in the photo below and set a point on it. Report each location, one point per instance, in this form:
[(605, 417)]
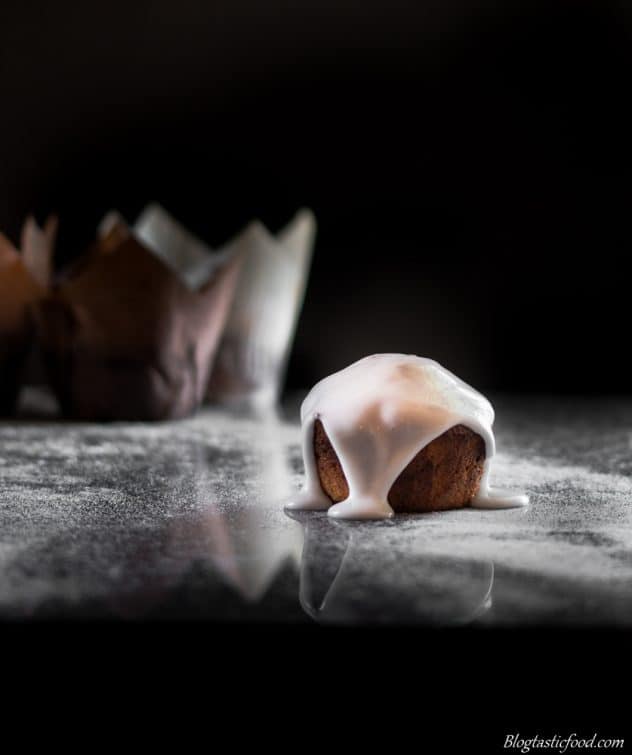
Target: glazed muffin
[(397, 433)]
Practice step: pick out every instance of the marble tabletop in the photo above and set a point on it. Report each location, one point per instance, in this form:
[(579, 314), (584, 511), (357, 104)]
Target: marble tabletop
[(185, 520)]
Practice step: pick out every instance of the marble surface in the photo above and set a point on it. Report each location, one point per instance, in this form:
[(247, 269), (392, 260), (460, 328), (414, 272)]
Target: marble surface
[(185, 520)]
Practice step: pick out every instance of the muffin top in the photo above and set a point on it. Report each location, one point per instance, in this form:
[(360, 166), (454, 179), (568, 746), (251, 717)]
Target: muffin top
[(395, 393)]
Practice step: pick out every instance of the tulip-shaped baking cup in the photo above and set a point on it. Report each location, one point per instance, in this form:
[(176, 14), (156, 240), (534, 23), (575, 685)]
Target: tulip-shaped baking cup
[(24, 277), (125, 337), (254, 350)]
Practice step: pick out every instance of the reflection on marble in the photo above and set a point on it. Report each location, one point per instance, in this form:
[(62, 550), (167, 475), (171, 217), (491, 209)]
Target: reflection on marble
[(185, 520), (135, 520), (344, 579), (243, 548)]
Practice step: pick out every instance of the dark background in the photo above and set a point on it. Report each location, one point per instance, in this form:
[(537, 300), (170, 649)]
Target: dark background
[(468, 163)]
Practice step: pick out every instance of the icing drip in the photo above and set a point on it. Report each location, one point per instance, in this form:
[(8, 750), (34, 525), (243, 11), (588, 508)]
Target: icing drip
[(378, 414)]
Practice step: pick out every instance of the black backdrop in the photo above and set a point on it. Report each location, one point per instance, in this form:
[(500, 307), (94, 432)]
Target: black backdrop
[(468, 163)]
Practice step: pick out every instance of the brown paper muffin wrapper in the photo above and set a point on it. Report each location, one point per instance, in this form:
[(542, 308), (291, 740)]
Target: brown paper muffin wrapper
[(23, 280), (124, 338)]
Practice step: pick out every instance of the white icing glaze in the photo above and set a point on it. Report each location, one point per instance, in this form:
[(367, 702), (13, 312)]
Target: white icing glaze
[(378, 414)]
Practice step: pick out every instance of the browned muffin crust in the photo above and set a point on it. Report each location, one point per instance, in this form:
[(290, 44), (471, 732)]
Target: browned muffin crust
[(446, 474)]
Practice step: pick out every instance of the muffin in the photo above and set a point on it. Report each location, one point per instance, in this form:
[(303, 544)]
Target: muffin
[(124, 338), (397, 433), (24, 277)]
